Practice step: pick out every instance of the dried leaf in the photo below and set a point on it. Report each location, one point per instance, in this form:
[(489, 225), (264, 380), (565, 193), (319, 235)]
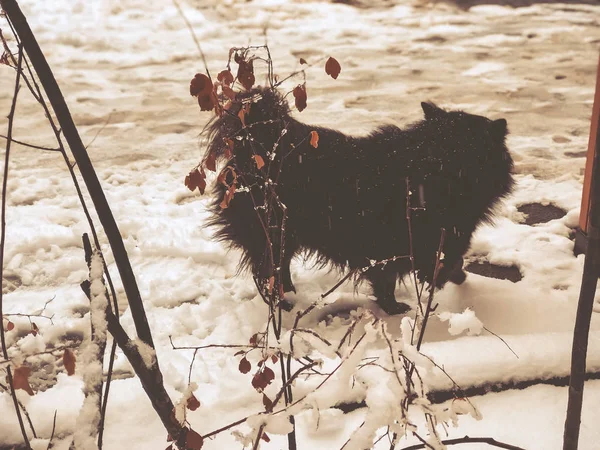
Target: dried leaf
[(241, 352), (300, 96), (193, 440), (242, 116), (269, 375), (303, 61), (229, 93), (211, 162), (196, 179), (10, 326), (228, 197), (207, 101), (201, 87), (259, 382), (245, 73), (267, 402), (200, 84), (254, 339), (170, 447), (34, 329), (314, 139), (69, 361), (333, 68), (274, 358), (265, 437), (225, 77), (259, 161), (193, 403), (245, 365), (21, 379)]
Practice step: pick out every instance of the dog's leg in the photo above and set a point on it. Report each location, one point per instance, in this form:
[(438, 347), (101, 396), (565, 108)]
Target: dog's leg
[(383, 282)]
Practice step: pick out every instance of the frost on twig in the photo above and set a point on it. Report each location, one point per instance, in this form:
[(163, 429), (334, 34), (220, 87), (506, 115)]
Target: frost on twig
[(91, 357)]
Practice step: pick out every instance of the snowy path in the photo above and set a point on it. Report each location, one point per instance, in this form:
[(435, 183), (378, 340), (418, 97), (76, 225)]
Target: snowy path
[(128, 63)]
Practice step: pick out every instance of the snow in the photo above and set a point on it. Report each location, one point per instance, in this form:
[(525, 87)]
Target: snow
[(461, 322), (127, 64)]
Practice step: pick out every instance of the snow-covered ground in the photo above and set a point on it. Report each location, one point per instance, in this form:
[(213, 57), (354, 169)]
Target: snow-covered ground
[(125, 66)]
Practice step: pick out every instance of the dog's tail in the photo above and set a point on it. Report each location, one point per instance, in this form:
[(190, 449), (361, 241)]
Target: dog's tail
[(259, 115)]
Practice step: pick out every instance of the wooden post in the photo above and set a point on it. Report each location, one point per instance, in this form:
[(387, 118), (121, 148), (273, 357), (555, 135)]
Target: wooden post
[(581, 237)]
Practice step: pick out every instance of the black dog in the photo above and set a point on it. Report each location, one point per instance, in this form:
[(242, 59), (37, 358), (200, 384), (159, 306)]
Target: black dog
[(346, 199)]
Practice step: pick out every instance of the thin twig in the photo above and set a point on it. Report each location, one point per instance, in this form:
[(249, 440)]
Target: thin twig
[(469, 440), (11, 117), (194, 37), (100, 130), (50, 443), (505, 343), (25, 144)]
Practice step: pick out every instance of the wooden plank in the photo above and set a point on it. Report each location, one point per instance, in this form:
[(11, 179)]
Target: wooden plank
[(589, 163)]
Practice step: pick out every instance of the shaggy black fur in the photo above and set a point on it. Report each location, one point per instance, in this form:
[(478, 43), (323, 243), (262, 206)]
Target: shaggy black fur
[(346, 199)]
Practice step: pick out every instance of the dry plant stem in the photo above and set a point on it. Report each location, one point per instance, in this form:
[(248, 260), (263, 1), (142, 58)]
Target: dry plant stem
[(591, 272), (428, 309), (50, 443), (150, 377), (37, 94), (88, 173), (469, 440), (37, 147), (240, 421), (11, 117), (194, 37), (499, 337), (98, 339)]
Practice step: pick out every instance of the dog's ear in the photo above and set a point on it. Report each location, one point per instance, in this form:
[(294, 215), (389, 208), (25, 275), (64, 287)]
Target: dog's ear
[(431, 111), (499, 128)]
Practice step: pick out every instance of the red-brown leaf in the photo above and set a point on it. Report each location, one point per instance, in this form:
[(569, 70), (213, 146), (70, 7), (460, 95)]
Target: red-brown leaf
[(196, 179), (269, 375), (259, 161), (265, 437), (300, 97), (228, 197), (225, 77), (69, 361), (245, 74), (10, 326), (229, 93), (333, 68), (21, 379), (193, 403), (267, 402), (314, 139), (254, 339), (242, 116), (302, 61), (259, 381), (274, 358), (211, 162), (206, 101), (245, 365), (34, 329), (170, 447), (200, 84), (193, 440), (241, 352)]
